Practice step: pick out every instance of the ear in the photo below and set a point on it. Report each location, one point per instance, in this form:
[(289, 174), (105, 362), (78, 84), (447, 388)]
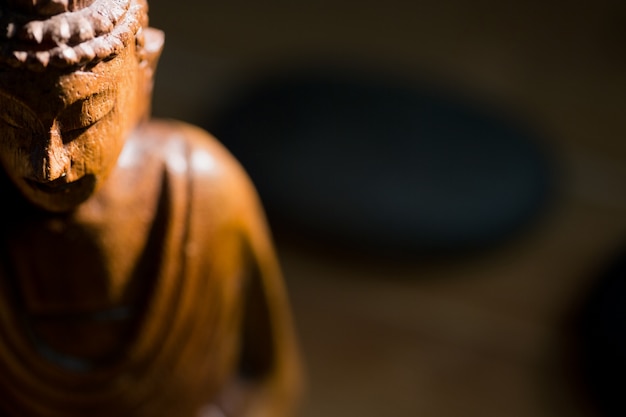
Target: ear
[(152, 47), (149, 53)]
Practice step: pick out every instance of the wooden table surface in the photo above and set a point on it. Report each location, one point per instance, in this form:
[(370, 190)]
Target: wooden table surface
[(480, 335)]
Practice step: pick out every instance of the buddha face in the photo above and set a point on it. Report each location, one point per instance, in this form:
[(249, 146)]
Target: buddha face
[(61, 132)]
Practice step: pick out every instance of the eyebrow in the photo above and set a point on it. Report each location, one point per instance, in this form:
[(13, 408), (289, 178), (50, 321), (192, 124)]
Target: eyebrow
[(102, 102), (16, 101), (102, 85), (13, 99), (105, 93)]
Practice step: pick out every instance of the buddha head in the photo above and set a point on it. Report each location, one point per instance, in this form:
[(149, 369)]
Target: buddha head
[(75, 81)]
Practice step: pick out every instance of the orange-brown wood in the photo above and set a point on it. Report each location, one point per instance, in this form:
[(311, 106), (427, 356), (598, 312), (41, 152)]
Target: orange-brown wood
[(137, 273)]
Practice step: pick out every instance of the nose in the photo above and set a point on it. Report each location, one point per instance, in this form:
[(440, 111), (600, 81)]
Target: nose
[(50, 160)]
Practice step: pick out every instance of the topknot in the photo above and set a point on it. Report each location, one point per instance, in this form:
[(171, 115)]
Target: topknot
[(46, 7), (37, 34)]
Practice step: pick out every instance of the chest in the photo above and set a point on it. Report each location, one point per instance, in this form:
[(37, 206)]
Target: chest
[(85, 275), (65, 264)]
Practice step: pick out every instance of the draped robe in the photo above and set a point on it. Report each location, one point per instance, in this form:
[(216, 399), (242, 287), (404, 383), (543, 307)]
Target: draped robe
[(158, 296)]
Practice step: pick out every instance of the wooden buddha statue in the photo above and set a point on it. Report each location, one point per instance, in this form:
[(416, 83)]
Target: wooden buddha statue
[(137, 275)]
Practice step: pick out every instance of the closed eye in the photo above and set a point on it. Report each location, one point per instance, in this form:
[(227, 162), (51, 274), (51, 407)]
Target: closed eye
[(10, 121), (86, 112), (15, 114)]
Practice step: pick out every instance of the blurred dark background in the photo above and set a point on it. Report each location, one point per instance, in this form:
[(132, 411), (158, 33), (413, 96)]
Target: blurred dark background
[(445, 183)]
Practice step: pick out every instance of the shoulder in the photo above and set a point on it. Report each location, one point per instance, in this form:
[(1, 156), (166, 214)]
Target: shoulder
[(215, 179), (184, 147)]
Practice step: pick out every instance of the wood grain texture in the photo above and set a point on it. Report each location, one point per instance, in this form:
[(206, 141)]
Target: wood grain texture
[(137, 275)]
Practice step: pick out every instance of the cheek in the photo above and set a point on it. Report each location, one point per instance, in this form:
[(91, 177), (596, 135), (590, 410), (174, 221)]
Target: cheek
[(96, 150)]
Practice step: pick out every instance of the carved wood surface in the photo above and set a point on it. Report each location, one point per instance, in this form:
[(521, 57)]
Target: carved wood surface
[(137, 276)]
